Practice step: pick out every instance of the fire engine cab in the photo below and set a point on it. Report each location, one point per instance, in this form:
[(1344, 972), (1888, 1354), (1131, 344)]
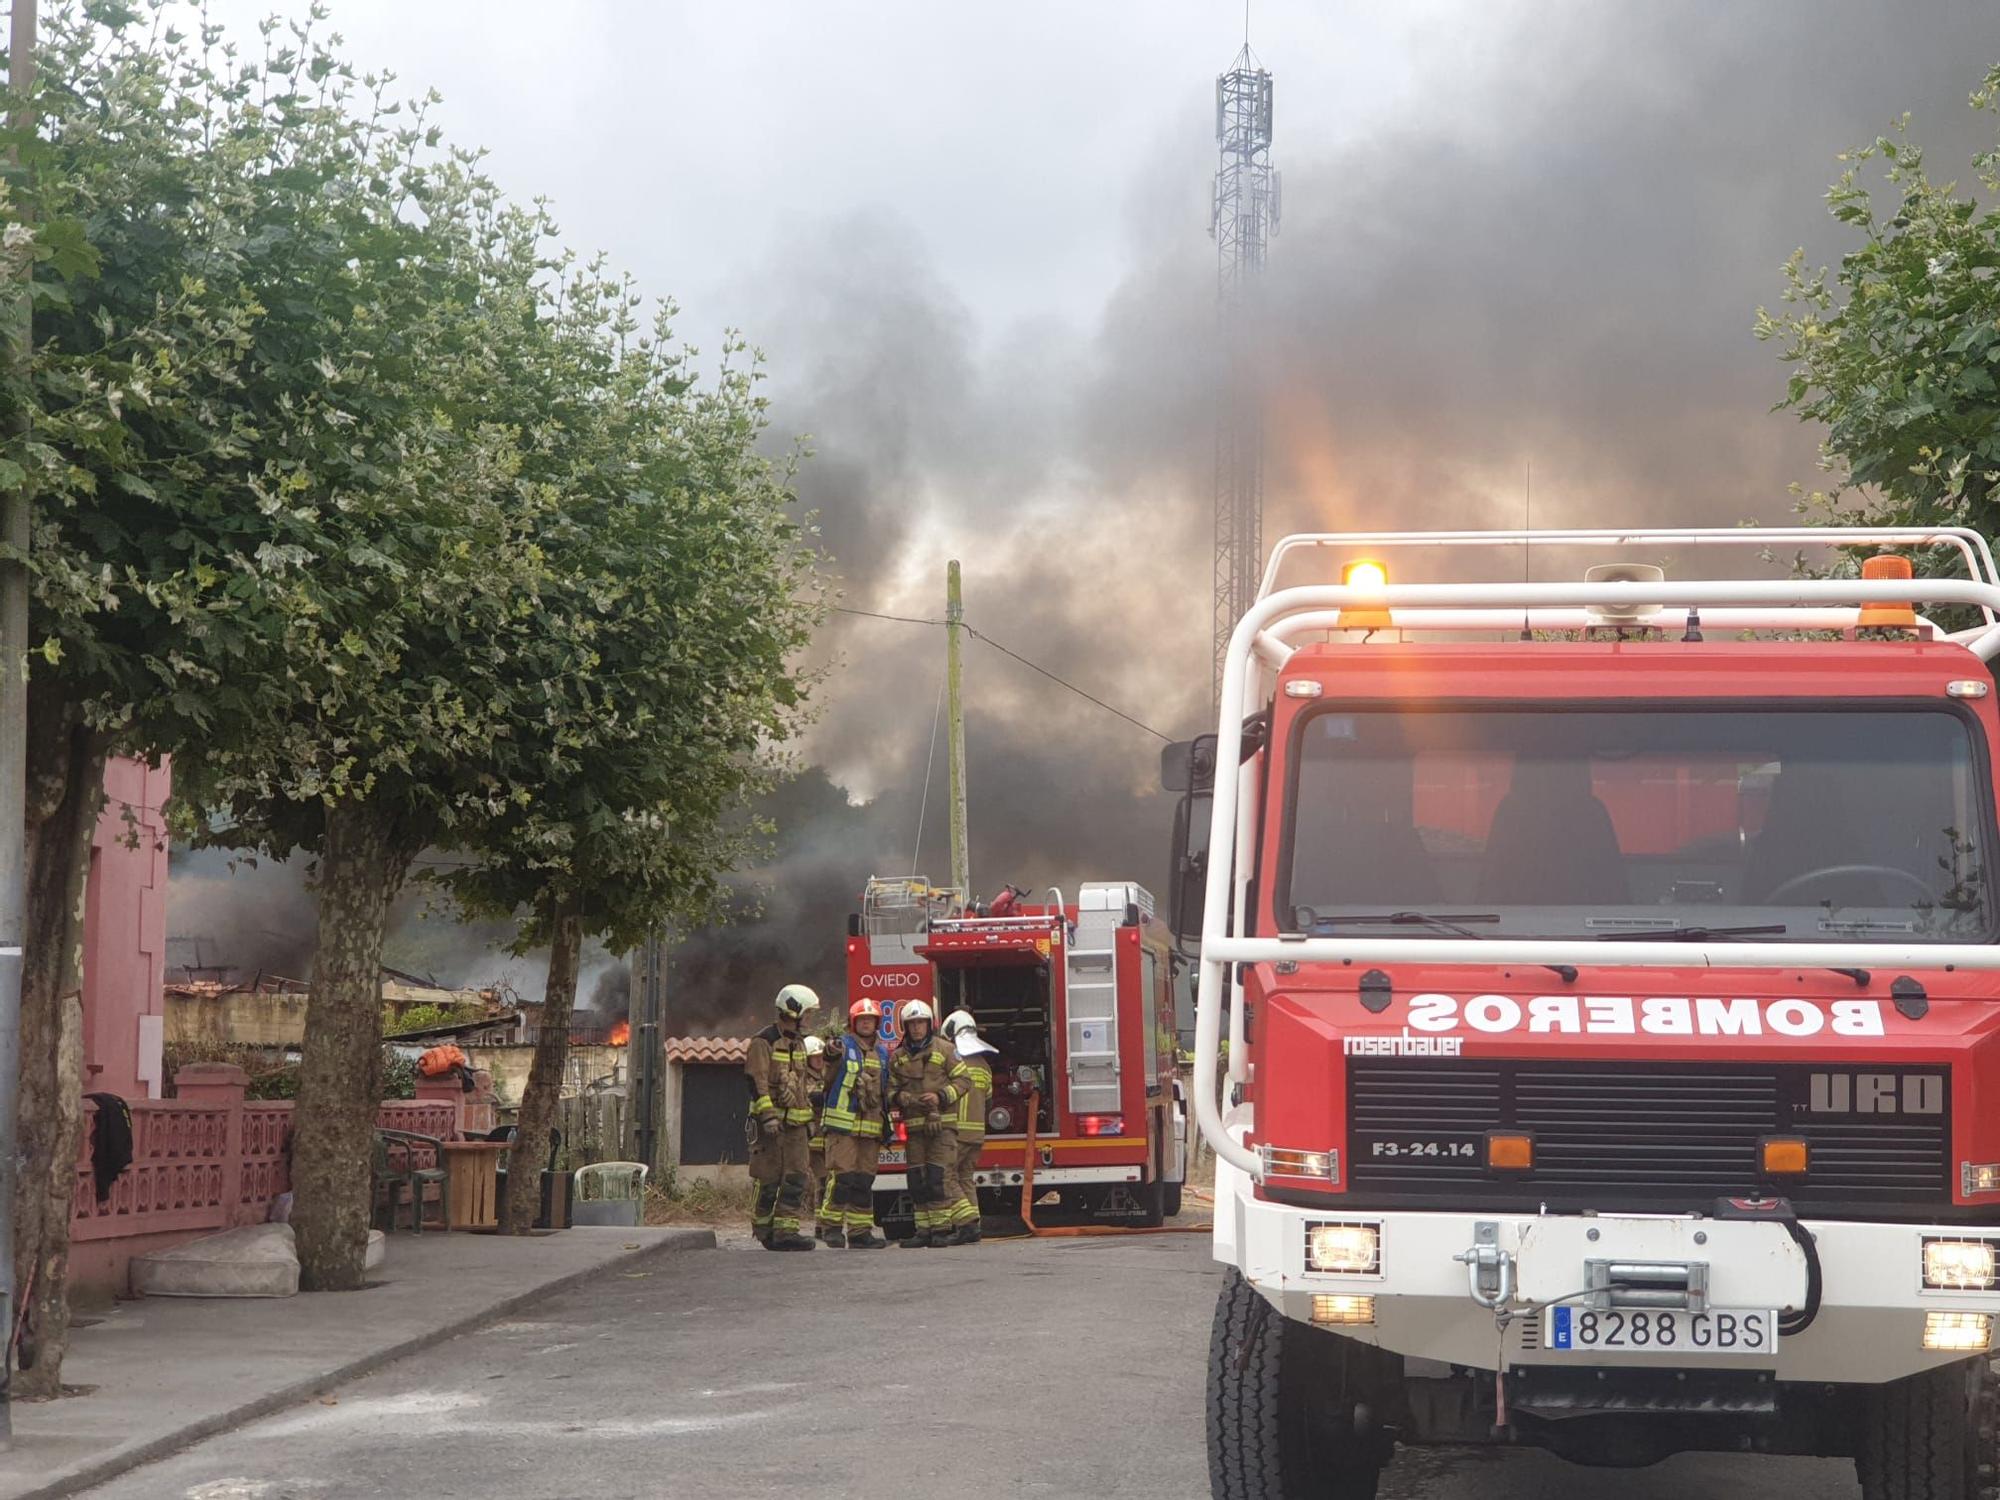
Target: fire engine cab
[(1077, 1001), (1608, 972)]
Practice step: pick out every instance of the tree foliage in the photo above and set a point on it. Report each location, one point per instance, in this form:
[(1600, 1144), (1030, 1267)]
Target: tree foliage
[(1898, 351), (674, 595), (382, 516)]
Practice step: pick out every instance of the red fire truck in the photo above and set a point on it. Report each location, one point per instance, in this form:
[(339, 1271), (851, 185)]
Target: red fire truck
[(1609, 976), (1077, 1000)]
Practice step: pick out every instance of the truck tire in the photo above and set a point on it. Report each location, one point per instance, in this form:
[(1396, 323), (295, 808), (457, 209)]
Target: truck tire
[(1927, 1437), (1281, 1406)]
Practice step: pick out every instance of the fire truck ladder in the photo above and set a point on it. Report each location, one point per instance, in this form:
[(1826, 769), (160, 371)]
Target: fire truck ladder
[(1090, 980)]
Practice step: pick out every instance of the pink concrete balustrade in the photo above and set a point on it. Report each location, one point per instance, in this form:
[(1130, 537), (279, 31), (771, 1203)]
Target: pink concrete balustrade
[(209, 1160)]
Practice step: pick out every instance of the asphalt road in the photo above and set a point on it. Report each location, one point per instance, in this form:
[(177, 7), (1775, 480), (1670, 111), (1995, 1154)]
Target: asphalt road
[(1059, 1368)]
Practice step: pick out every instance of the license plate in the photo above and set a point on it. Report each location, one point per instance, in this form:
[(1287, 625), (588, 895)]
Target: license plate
[(892, 1156), (1575, 1330)]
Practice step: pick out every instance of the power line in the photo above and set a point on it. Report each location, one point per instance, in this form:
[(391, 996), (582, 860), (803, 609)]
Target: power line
[(980, 635)]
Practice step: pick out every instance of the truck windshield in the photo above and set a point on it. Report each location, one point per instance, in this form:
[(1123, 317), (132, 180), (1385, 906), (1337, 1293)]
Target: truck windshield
[(1820, 824)]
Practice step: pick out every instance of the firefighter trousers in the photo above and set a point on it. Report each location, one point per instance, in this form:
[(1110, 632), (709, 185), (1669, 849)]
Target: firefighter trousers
[(819, 1181), (960, 1189), (933, 1158), (850, 1181), (778, 1167)]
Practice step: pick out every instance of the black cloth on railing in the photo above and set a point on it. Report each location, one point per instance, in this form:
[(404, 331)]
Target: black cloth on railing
[(111, 1144)]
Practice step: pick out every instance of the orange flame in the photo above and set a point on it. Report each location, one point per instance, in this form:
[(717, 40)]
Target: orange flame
[(621, 1033)]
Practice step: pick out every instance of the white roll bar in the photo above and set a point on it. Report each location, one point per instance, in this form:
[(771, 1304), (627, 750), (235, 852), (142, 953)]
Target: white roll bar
[(1267, 619), (1972, 548)]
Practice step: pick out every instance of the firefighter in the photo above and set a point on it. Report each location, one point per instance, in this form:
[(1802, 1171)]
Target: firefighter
[(816, 1064), (976, 1054), (926, 1081), (780, 1121), (856, 1116)]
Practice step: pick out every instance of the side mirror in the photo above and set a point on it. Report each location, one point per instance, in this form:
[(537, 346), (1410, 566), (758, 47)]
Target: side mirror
[(1187, 890), (1188, 765)]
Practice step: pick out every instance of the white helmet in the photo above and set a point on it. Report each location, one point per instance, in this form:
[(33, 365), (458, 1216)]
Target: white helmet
[(916, 1010), (955, 1023), (814, 1046), (794, 1000)]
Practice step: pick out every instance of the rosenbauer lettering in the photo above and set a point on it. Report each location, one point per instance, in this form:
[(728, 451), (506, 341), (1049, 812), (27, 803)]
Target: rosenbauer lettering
[(1654, 1015)]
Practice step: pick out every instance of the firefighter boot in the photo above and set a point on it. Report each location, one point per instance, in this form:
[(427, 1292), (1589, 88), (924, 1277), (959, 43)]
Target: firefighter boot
[(831, 1236), (867, 1239), (790, 1239), (921, 1240), (968, 1234)]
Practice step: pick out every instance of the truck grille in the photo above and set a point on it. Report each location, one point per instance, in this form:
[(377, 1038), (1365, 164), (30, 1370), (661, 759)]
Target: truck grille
[(1663, 1137)]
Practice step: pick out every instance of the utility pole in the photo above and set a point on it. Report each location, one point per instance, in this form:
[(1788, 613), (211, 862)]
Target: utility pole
[(954, 614), (646, 1046), (14, 515)]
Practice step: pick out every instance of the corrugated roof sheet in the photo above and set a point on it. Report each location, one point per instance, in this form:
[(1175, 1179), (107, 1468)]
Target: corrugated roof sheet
[(707, 1049)]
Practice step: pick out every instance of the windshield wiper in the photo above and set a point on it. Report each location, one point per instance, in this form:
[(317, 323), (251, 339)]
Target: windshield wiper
[(1688, 934), (1861, 977), (1440, 922), (1452, 923)]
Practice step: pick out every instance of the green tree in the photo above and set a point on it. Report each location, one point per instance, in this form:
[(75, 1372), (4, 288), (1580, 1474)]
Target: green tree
[(128, 208), (676, 594), (284, 527), (1897, 352)]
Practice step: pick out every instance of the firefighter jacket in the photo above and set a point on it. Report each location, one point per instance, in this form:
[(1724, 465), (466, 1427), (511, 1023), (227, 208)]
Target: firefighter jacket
[(775, 1068), (933, 1068), (971, 1113), (857, 1099), (816, 1099)]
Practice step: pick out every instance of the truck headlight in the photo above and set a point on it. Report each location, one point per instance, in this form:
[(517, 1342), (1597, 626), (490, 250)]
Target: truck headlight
[(1339, 1311), (1280, 1161), (1345, 1249), (1978, 1177), (1958, 1265), (1957, 1333)]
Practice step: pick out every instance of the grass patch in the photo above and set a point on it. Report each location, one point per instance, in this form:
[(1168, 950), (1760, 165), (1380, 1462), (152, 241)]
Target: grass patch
[(683, 1200)]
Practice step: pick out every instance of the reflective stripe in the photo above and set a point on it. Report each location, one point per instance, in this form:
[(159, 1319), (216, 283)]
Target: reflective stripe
[(761, 1103), (798, 1117)]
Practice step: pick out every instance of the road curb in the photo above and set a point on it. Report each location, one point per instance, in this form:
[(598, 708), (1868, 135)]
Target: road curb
[(78, 1480)]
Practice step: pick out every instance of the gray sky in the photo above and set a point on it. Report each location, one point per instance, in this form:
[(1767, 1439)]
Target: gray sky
[(972, 240)]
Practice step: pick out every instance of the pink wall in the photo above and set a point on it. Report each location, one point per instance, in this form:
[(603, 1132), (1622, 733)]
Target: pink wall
[(125, 934)]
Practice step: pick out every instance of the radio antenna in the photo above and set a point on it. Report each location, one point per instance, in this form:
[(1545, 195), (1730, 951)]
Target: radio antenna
[(1527, 542)]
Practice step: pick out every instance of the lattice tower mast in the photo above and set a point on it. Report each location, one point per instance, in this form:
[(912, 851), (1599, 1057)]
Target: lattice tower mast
[(1242, 220)]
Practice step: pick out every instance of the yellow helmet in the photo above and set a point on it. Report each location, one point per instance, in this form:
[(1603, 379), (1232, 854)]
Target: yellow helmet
[(795, 1000)]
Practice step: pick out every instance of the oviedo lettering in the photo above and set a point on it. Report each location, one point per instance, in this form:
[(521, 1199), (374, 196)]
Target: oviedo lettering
[(1662, 1015), (891, 979)]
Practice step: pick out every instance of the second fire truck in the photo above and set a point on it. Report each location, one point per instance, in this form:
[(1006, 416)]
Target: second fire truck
[(1077, 998)]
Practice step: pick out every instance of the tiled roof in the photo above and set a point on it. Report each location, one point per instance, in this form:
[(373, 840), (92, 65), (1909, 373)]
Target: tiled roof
[(707, 1049)]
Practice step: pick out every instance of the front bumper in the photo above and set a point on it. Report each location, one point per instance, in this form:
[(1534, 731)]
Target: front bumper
[(1869, 1329), (895, 1179)]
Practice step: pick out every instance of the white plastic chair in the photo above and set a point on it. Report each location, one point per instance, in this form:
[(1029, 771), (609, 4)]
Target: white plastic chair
[(609, 1192)]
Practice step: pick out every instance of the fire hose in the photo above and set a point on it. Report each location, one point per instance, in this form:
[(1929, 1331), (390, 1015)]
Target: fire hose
[(1074, 1231)]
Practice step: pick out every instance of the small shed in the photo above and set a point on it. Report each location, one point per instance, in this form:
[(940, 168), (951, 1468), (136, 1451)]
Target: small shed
[(707, 1107)]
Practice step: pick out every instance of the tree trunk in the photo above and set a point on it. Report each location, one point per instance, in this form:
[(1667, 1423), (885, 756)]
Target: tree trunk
[(361, 866), (65, 796), (545, 1075)]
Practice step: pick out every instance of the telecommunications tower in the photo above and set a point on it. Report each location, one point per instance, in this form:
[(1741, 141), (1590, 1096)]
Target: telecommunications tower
[(1242, 220)]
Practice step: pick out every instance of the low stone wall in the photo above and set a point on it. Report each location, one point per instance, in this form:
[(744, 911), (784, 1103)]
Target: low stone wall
[(206, 1160)]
